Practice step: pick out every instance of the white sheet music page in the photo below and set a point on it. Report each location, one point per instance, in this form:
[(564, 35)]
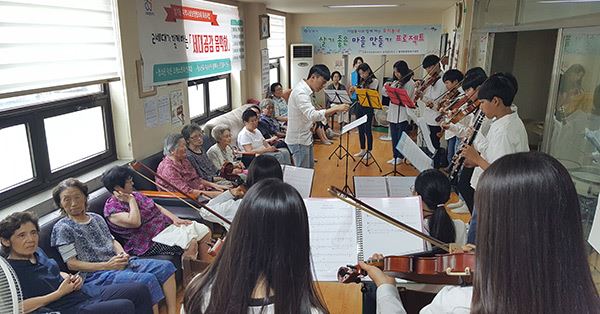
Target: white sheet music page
[(299, 178), (413, 153), (400, 186), (370, 187), (332, 236), (594, 238), (382, 237), (354, 124)]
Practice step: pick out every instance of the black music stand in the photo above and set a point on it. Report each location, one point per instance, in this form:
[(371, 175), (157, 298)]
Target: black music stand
[(339, 97), (398, 96), (368, 98), (347, 130)]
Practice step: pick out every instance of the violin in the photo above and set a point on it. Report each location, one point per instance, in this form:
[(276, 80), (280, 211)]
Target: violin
[(429, 82), (425, 267), (453, 107), (470, 108), (448, 269)]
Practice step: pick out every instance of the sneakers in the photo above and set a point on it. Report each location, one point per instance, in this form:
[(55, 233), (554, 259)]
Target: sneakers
[(331, 134), (361, 153), (395, 161), (368, 155)]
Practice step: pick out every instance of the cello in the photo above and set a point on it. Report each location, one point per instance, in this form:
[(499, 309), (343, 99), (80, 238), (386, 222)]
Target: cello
[(426, 267)]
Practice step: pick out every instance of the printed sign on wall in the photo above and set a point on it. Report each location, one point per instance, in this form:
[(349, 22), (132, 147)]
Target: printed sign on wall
[(187, 39), (398, 39)]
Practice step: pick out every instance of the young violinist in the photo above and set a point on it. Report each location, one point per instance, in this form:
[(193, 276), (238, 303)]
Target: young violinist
[(431, 97), (354, 77), (397, 115), (506, 135), (520, 269), (265, 264), (367, 80), (434, 188), (452, 79)]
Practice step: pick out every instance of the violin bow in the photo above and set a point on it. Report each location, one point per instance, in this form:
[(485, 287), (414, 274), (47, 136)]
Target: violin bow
[(369, 209), (135, 164)]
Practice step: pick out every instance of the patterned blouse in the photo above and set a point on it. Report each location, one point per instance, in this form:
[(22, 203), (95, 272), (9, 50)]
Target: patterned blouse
[(92, 240), (281, 107), (271, 123), (202, 164), (138, 240), (219, 156), (180, 173)]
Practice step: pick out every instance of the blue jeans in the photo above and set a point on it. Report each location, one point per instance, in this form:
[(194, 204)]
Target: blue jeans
[(119, 298), (303, 155), (451, 148), (397, 129)]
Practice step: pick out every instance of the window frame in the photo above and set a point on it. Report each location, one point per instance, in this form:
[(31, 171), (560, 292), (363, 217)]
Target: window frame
[(33, 117), (208, 114), (275, 63)]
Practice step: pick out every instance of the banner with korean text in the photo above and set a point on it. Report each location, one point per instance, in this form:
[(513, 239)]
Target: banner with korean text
[(398, 39), (187, 39)]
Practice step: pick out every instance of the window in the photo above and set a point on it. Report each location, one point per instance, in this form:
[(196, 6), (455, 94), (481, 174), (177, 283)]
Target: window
[(209, 97), (274, 73), (47, 141), (277, 47)]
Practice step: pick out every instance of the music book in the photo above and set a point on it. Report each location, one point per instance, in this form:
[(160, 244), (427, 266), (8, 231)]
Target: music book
[(341, 234), (594, 238), (413, 153), (399, 96), (383, 186), (368, 98), (300, 178)]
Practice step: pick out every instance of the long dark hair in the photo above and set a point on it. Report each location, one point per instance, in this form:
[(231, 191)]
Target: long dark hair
[(434, 189), (263, 167), (530, 247), (268, 240), (406, 73), (365, 68)]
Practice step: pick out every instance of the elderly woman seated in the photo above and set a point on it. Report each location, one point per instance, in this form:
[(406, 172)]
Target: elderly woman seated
[(268, 120), (193, 135), (252, 141), (46, 289), (262, 167), (222, 152), (137, 219), (175, 169), (86, 245)]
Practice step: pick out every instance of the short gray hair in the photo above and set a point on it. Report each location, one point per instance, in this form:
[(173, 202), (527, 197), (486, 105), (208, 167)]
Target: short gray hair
[(218, 131), (171, 142), (265, 102)]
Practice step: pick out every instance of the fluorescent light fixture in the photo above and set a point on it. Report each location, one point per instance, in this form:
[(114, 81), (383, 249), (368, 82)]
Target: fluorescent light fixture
[(349, 6), (567, 1)]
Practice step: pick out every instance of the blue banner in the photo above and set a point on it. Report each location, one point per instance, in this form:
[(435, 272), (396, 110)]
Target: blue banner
[(399, 39)]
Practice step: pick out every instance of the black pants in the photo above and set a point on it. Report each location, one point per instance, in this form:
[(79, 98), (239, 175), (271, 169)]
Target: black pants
[(433, 135), (464, 187), (123, 298), (364, 130), (396, 129)]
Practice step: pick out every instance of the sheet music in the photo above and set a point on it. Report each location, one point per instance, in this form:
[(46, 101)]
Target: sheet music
[(400, 186), (381, 237), (332, 96), (354, 124), (413, 153), (299, 178), (370, 187), (333, 240), (594, 238)]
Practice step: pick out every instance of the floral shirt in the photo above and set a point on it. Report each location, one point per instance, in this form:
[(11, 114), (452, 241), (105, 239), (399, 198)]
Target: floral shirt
[(138, 240), (180, 173), (281, 107)]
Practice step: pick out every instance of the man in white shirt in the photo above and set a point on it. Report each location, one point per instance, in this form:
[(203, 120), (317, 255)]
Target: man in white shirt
[(302, 114), (507, 134)]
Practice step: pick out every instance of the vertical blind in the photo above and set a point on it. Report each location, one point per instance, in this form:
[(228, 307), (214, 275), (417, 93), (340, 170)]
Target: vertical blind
[(46, 45), (276, 42)]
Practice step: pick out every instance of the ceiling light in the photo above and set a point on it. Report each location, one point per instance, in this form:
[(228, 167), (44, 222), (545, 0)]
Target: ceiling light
[(567, 1), (348, 6)]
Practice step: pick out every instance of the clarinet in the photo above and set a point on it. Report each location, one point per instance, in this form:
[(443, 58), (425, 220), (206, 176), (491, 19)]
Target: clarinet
[(458, 163)]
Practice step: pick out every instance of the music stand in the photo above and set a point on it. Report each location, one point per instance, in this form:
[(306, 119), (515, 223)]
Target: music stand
[(400, 97), (346, 129), (339, 97), (370, 99)]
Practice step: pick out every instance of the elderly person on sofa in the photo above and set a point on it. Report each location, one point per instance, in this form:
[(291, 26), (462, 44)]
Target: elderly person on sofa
[(137, 219), (252, 140), (222, 152), (86, 245), (177, 170)]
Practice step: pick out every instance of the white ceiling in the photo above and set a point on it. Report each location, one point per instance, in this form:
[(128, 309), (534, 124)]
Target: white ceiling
[(318, 6)]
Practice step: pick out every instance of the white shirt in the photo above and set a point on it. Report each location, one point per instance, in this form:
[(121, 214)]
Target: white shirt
[(507, 135), (448, 134), (256, 139), (432, 93), (451, 299), (301, 115), (396, 113)]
